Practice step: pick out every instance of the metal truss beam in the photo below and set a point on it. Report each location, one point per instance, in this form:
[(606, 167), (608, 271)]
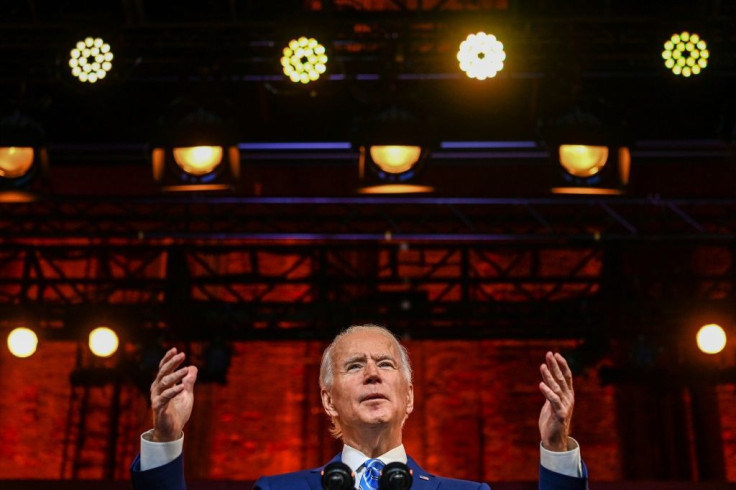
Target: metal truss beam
[(243, 289), (372, 219)]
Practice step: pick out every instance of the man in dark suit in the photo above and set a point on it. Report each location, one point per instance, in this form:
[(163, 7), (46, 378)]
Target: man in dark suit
[(366, 390)]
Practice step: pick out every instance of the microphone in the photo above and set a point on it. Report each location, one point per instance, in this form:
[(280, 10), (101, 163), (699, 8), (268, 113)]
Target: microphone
[(338, 476), (395, 476)]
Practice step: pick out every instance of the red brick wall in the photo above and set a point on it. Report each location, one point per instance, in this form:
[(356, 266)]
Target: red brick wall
[(476, 414), (727, 406), (34, 399)]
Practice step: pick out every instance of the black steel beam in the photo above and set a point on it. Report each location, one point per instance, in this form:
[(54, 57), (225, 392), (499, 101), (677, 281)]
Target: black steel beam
[(373, 219)]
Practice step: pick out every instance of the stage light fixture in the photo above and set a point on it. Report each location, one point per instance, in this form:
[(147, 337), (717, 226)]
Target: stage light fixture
[(23, 154), (711, 338), (395, 159), (685, 54), (15, 161), (198, 160), (303, 60), (103, 341), (196, 152), (393, 147), (385, 189), (90, 60), (22, 342), (591, 156), (481, 56), (583, 160)]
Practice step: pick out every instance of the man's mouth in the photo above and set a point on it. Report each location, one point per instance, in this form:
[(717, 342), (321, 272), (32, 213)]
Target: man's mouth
[(373, 396)]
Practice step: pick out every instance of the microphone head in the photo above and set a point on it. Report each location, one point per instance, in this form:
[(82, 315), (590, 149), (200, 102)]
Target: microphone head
[(338, 476), (395, 476)]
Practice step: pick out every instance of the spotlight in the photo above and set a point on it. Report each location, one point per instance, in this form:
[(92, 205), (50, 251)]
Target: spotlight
[(15, 161), (103, 341), (685, 54), (90, 60), (196, 151), (22, 342), (711, 338), (395, 159), (393, 147), (583, 160), (481, 56), (198, 160), (590, 154), (304, 60), (23, 155)]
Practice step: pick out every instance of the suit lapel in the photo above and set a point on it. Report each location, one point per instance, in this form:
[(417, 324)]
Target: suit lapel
[(314, 478), (421, 480)]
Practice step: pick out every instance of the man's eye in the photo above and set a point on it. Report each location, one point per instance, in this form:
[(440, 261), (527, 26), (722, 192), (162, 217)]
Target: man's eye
[(353, 367), (387, 364)]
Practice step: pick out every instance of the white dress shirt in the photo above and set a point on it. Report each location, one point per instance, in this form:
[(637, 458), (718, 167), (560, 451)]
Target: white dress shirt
[(356, 460)]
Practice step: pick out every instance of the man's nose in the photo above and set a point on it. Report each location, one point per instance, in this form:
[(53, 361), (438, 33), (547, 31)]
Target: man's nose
[(372, 373)]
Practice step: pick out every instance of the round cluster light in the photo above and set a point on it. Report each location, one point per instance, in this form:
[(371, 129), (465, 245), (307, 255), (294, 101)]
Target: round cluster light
[(304, 60), (90, 60), (481, 56), (685, 54)]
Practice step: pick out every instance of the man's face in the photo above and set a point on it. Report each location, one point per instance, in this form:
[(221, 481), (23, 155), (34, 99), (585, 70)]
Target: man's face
[(368, 387)]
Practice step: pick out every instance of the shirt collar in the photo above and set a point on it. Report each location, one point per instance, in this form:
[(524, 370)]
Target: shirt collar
[(355, 459)]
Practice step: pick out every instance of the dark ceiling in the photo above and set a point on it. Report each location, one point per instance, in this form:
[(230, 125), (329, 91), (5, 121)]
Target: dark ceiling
[(593, 54), (489, 198)]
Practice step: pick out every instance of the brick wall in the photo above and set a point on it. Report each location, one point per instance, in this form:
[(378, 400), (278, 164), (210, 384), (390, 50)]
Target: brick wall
[(475, 416)]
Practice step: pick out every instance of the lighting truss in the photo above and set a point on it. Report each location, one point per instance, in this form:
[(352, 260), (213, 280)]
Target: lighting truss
[(452, 268), (375, 218)]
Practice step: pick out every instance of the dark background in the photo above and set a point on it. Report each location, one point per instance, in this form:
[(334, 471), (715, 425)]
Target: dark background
[(479, 277)]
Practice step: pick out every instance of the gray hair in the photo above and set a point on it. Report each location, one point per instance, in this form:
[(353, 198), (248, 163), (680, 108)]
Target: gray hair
[(327, 372)]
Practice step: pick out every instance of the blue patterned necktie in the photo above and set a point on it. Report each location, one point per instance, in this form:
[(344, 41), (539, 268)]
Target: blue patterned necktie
[(369, 480)]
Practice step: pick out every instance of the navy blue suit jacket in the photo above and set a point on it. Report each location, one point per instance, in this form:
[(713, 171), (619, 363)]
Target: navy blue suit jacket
[(171, 477)]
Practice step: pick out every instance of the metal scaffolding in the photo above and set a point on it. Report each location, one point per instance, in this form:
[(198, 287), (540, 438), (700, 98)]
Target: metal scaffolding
[(341, 219), (303, 267)]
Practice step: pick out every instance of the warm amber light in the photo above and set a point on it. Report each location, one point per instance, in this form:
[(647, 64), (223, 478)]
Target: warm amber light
[(103, 342), (158, 159), (15, 161), (395, 159), (711, 339), (22, 342), (395, 189), (583, 160), (17, 196), (197, 187), (198, 160), (587, 191), (624, 164)]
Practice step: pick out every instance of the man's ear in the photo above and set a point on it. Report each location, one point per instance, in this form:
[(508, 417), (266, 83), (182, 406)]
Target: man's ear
[(327, 403), (410, 400)]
